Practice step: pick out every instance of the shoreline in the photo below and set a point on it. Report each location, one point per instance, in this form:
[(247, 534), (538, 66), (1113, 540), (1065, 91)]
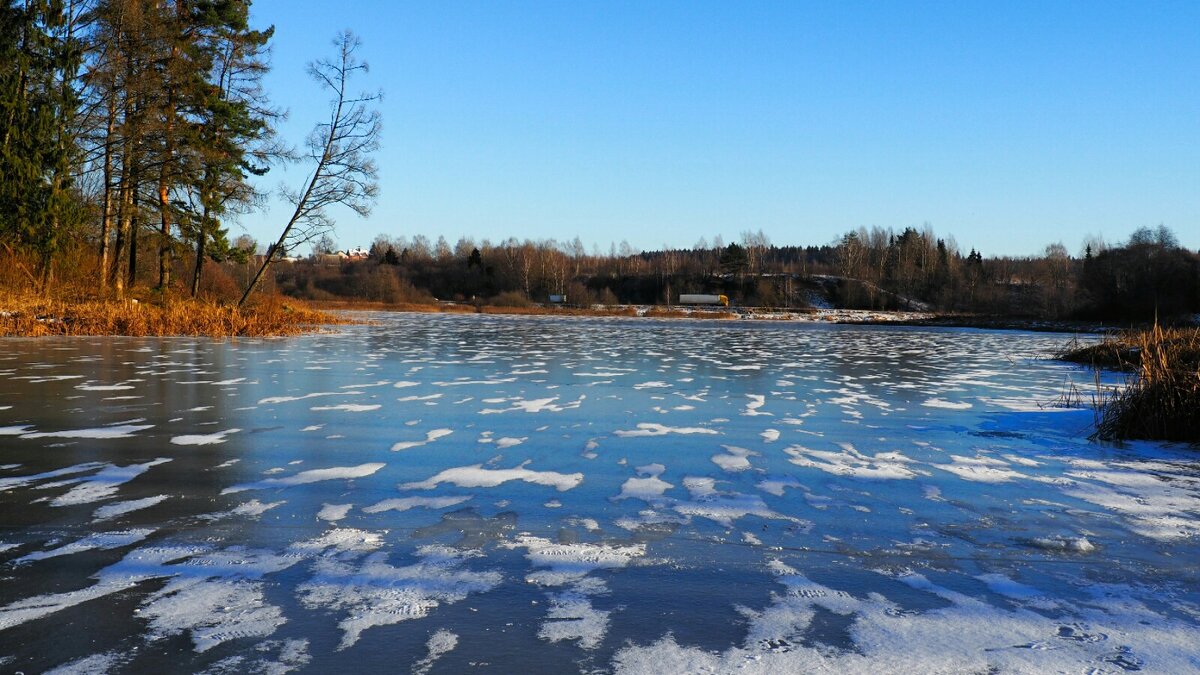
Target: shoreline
[(806, 315), (280, 317)]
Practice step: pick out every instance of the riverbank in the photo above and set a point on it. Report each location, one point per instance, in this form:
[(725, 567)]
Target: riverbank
[(35, 317)]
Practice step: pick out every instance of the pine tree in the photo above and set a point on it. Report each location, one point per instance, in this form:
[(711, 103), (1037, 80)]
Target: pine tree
[(233, 133)]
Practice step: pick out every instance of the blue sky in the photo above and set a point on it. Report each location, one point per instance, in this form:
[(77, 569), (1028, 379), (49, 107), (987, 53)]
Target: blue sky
[(1007, 125)]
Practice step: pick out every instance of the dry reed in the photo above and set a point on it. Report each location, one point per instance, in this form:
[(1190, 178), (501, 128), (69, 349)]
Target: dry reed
[(1161, 400), (33, 317)]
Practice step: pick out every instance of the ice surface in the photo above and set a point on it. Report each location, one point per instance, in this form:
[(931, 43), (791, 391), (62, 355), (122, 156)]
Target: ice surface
[(1163, 505), (217, 597), (966, 636), (21, 481), (934, 517), (375, 593), (96, 664)]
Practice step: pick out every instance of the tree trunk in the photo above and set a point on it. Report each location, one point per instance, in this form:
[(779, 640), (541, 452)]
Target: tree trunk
[(164, 250), (106, 216), (201, 240), (134, 225), (124, 217)]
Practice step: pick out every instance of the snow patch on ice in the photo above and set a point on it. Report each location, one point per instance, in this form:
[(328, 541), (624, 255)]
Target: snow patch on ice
[(96, 664), (851, 462), (654, 429), (289, 399), (477, 476), (439, 644), (946, 405), (116, 431), (204, 439), (104, 484), (649, 488), (98, 540), (430, 436), (334, 512), (736, 459), (348, 407), (311, 476), (535, 405), (756, 401), (376, 593), (406, 503), (110, 511)]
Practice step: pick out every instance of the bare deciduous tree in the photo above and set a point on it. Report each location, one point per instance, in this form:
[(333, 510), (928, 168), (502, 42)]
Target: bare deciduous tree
[(340, 148)]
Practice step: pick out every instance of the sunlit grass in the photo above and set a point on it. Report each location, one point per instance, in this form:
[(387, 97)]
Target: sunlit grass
[(35, 317)]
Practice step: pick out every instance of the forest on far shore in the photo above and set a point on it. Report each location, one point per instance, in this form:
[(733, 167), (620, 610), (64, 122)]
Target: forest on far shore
[(1149, 275)]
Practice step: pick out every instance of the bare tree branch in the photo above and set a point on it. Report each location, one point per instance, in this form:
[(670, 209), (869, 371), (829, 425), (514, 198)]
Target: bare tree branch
[(344, 173)]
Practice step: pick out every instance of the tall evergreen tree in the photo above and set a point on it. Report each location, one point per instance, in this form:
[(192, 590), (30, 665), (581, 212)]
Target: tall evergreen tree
[(233, 134)]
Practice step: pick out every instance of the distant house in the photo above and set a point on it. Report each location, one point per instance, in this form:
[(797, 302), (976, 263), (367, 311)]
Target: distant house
[(358, 253), (335, 258)]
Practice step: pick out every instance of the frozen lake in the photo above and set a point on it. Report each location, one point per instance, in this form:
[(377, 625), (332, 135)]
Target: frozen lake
[(469, 493)]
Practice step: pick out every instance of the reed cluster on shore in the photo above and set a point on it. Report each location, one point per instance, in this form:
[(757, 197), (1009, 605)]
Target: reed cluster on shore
[(271, 316), (1161, 400)]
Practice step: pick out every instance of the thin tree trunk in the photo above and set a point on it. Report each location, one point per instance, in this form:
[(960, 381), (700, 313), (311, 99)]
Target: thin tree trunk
[(164, 250), (124, 217), (201, 240), (164, 203), (271, 252), (106, 217), (134, 225)]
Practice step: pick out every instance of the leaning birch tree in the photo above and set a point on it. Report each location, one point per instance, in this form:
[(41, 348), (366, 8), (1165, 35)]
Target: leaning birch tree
[(339, 149)]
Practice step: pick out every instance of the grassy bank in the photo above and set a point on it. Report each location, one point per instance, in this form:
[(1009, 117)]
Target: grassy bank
[(1162, 398), (34, 317)]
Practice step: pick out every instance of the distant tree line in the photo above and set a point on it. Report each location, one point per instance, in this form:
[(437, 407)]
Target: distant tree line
[(1149, 275)]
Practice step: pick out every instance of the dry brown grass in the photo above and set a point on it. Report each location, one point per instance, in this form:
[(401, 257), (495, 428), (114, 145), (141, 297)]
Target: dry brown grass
[(34, 317), (1162, 399)]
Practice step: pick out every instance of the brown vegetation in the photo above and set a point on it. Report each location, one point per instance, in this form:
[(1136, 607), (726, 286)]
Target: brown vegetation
[(32, 317), (1162, 399)]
